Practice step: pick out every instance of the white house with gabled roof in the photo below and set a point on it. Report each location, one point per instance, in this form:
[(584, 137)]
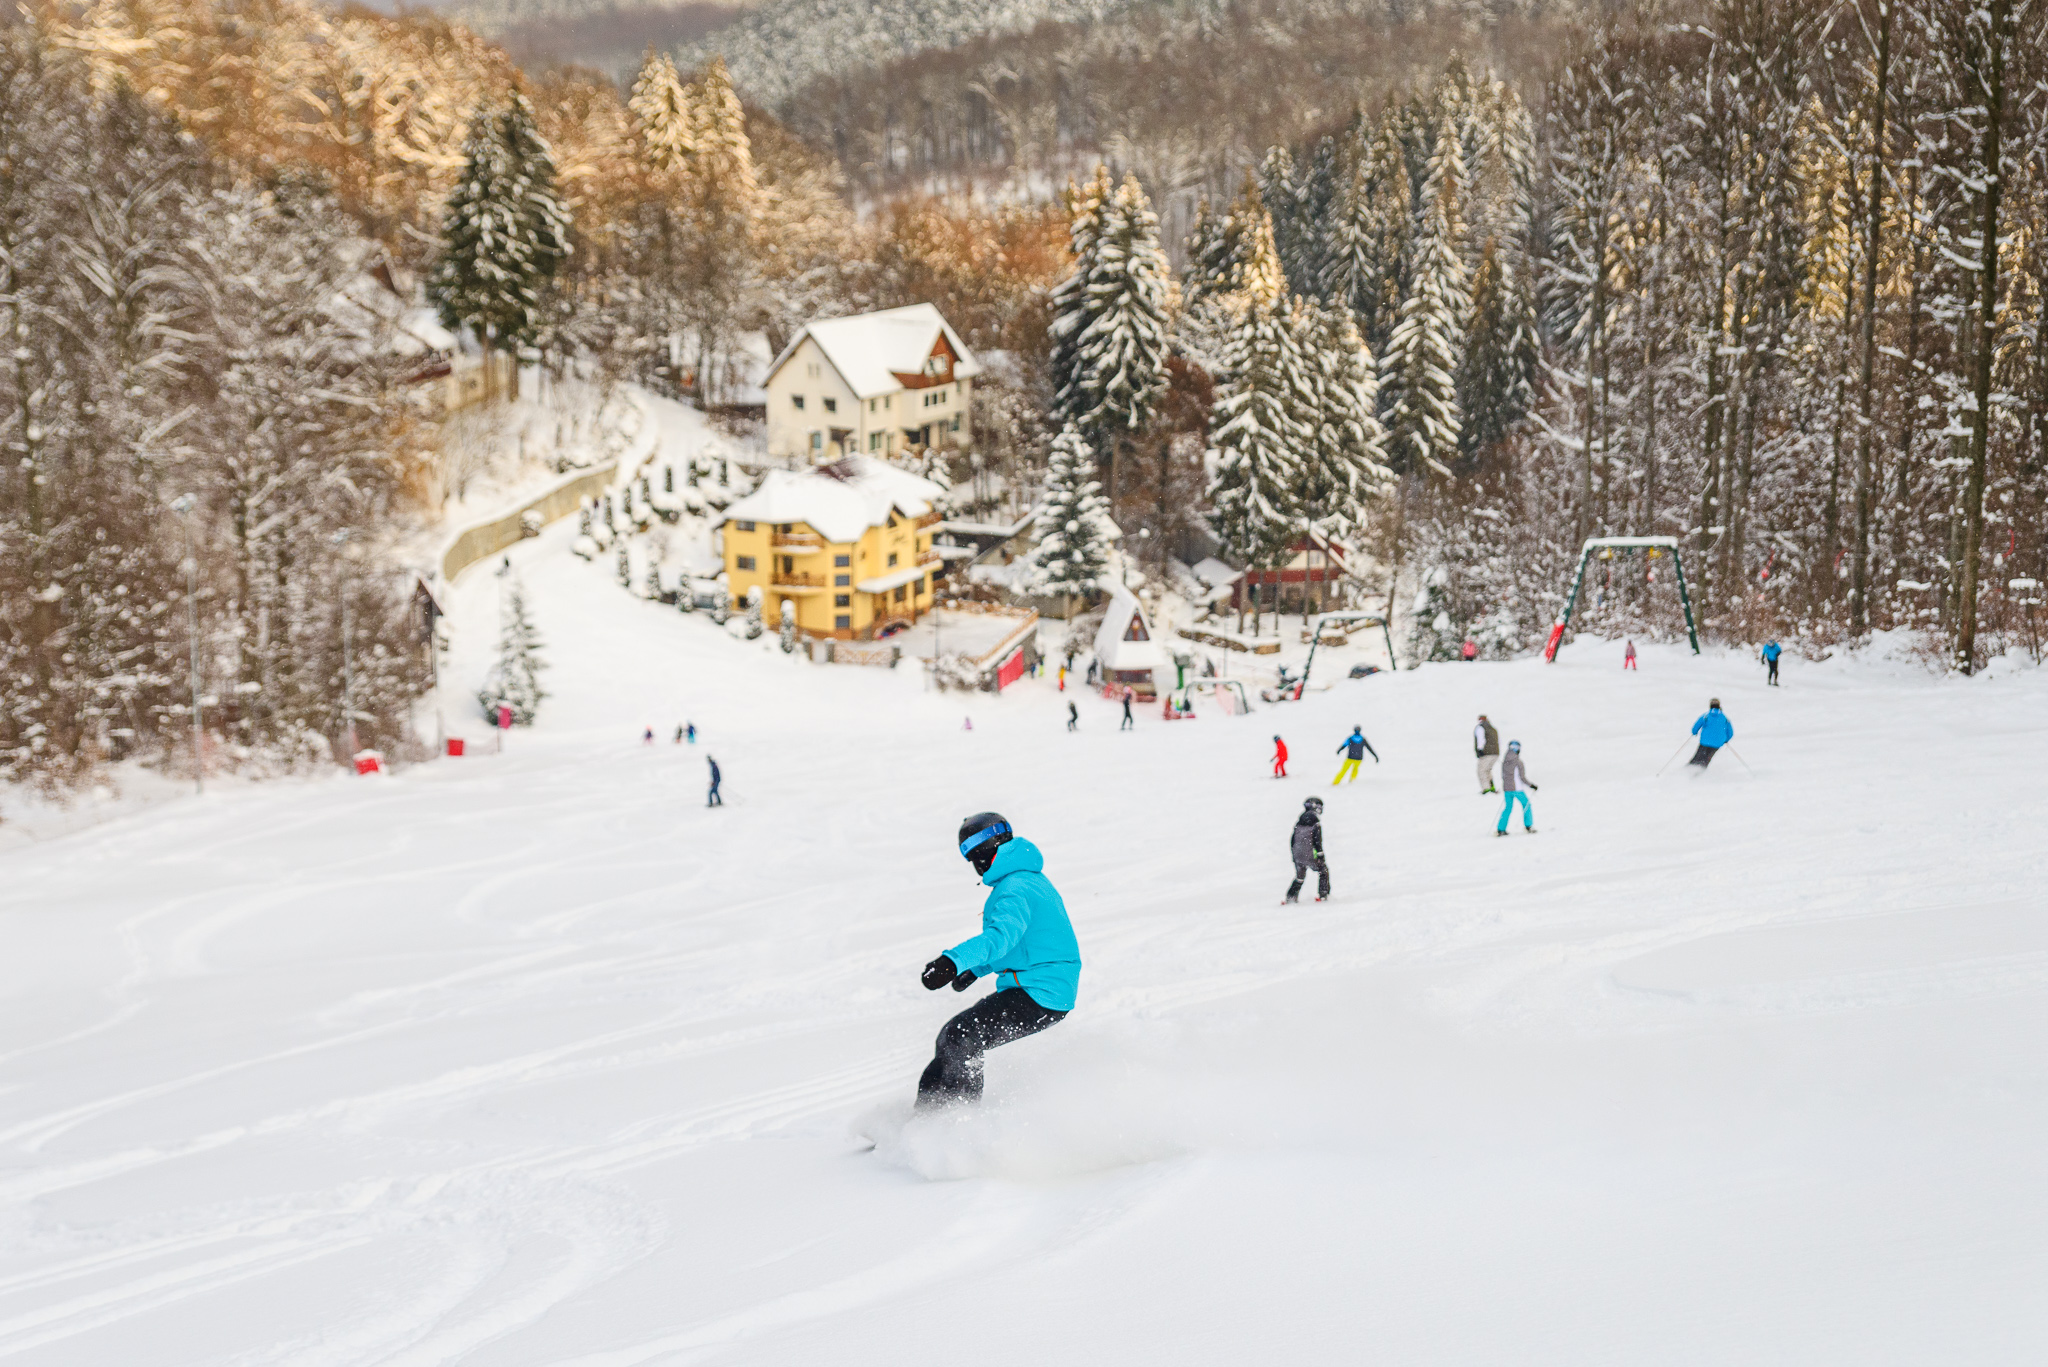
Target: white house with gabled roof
[(874, 384)]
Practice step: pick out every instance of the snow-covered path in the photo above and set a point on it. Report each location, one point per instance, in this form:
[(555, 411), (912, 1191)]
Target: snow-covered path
[(531, 1059)]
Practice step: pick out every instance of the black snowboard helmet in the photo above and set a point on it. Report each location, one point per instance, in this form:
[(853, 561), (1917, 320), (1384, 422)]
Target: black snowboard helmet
[(981, 835), (1314, 806)]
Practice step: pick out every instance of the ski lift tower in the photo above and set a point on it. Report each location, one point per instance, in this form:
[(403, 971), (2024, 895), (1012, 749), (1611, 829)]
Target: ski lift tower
[(1608, 547)]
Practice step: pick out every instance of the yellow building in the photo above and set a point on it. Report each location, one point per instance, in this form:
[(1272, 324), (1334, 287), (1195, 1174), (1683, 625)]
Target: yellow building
[(849, 545)]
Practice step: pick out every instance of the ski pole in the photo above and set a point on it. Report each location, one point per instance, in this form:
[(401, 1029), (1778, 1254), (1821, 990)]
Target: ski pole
[(1738, 756), (1674, 755)]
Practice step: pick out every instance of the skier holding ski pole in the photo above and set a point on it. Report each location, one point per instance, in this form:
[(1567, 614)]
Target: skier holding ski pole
[(1354, 748), (1714, 730), (1512, 777), (1026, 940)]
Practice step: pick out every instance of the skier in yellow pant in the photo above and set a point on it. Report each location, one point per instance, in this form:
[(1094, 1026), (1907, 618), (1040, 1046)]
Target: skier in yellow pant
[(1355, 748)]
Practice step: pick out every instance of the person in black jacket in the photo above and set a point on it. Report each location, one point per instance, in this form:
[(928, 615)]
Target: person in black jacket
[(1306, 845)]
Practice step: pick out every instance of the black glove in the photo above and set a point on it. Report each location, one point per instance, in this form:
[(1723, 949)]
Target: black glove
[(1534, 789), (964, 981), (938, 973)]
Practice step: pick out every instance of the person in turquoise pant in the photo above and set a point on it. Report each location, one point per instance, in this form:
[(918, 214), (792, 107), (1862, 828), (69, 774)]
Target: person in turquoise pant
[(1026, 941), (1513, 777)]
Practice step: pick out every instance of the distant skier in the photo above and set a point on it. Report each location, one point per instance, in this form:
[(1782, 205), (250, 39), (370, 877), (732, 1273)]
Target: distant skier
[(1127, 724), (679, 735), (1469, 651), (1354, 748), (1073, 716), (1026, 940), (1512, 777), (1486, 746), (1714, 730), (1772, 650), (1305, 843), (690, 730), (648, 739), (1279, 758), (714, 800), (1628, 656)]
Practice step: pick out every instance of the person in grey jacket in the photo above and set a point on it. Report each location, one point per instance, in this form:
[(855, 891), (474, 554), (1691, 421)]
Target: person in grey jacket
[(1306, 845), (1486, 745), (1513, 777)]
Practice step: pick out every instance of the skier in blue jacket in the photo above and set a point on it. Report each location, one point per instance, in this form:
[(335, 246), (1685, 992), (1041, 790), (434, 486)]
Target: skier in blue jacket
[(1714, 730), (1026, 941), (1771, 651)]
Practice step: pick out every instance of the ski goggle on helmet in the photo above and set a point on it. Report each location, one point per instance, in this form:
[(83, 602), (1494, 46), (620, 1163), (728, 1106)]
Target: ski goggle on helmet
[(979, 830), (1515, 745)]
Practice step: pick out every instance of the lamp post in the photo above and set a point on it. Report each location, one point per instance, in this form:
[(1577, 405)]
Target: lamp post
[(183, 505), (348, 670)]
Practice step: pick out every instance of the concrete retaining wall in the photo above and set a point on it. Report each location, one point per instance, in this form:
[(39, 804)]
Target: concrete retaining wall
[(488, 538)]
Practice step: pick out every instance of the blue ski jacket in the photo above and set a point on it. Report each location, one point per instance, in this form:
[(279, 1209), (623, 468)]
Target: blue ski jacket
[(1773, 651), (1355, 745), (1713, 728), (1026, 939)]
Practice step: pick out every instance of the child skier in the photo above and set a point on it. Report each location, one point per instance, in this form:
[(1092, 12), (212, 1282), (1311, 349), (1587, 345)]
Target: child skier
[(1026, 940), (1305, 843), (1127, 724), (1354, 747), (1486, 745), (1772, 650), (1628, 656), (1714, 730), (1512, 777), (1279, 758)]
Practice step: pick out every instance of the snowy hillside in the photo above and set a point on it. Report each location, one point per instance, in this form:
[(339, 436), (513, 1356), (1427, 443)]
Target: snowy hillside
[(532, 1059)]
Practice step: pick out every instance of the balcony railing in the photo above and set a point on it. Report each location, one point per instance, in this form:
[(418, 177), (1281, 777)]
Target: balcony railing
[(930, 519), (798, 541), (930, 558), (797, 579)]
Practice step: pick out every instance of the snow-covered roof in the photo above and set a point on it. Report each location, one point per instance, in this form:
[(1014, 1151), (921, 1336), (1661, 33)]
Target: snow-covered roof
[(859, 492), (1112, 651), (870, 349)]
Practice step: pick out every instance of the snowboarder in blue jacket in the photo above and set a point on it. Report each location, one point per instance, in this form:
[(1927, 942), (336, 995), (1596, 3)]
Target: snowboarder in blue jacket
[(1714, 730), (1771, 651), (1026, 941)]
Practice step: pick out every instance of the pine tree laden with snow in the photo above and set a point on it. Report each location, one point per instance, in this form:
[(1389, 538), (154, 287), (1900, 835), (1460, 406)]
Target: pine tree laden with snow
[(1259, 434), (1420, 368), (514, 681), (504, 234), (1072, 549)]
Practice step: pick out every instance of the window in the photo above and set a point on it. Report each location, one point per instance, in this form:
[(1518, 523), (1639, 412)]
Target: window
[(842, 581), (956, 422), (842, 600), (892, 559), (812, 370), (785, 527), (842, 561), (743, 526), (817, 441), (796, 400), (745, 562), (788, 564), (843, 622), (899, 593), (874, 441), (831, 405)]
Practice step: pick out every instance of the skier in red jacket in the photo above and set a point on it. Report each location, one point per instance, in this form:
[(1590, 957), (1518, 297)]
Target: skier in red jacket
[(1279, 758)]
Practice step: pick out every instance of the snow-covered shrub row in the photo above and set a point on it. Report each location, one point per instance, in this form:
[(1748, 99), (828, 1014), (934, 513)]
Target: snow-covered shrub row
[(176, 333)]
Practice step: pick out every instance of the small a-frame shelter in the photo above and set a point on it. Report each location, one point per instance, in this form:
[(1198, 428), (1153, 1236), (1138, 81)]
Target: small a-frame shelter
[(1124, 648)]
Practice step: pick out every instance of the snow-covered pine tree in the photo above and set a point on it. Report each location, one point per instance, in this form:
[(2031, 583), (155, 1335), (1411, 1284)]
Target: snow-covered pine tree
[(1116, 323), (662, 109), (1259, 432), (515, 679), (1496, 382), (504, 233), (1087, 208), (1347, 465), (1432, 632), (724, 152), (1072, 551), (1419, 371)]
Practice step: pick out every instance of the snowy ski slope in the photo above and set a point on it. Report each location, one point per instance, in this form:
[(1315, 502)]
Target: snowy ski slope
[(531, 1059)]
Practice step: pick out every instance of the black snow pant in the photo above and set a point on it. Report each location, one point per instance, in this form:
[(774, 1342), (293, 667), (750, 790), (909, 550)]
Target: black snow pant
[(714, 800), (1703, 756), (1773, 679), (1301, 875), (954, 1074), (1127, 723)]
